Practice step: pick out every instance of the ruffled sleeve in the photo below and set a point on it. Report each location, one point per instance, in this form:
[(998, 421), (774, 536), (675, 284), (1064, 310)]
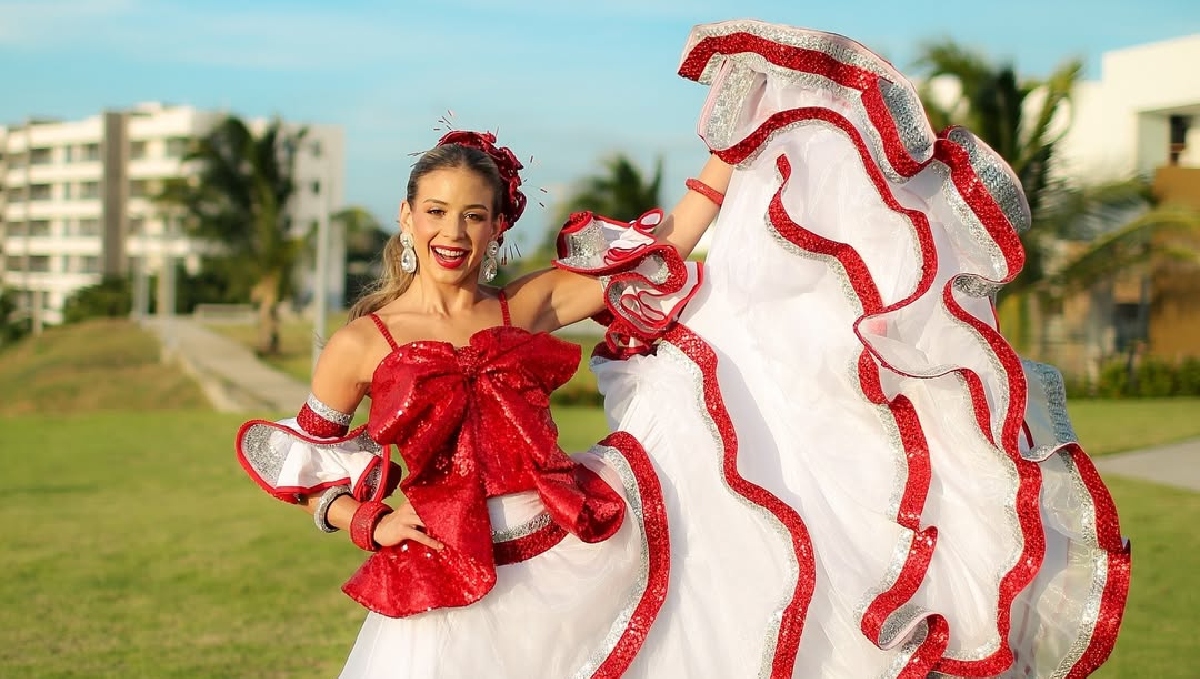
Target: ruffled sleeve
[(646, 283), (287, 462)]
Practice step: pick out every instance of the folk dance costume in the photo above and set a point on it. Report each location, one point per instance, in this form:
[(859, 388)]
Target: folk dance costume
[(828, 461)]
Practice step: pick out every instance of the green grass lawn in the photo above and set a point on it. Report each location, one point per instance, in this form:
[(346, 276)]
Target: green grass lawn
[(134, 546)]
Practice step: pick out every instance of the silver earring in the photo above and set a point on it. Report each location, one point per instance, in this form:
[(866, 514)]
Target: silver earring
[(490, 267), (408, 256)]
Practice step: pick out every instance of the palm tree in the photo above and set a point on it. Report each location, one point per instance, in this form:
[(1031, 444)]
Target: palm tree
[(620, 192), (996, 105), (239, 199)]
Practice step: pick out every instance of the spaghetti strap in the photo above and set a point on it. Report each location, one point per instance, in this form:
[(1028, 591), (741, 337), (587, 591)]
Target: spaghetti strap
[(383, 329), (504, 307)]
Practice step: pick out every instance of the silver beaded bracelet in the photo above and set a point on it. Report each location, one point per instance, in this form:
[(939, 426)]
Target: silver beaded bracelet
[(321, 513)]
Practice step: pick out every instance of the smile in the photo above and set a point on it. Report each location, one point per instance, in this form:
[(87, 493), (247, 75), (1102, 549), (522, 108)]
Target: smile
[(449, 257)]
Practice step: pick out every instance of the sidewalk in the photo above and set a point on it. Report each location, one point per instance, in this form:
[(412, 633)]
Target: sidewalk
[(1176, 464), (232, 377)]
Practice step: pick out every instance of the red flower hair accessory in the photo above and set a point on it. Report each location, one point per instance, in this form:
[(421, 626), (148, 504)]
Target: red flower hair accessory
[(513, 203)]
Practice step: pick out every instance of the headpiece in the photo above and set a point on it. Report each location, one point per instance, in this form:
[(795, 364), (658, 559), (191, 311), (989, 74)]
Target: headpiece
[(512, 204)]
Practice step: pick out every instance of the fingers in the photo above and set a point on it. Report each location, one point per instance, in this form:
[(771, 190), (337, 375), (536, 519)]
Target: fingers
[(425, 539)]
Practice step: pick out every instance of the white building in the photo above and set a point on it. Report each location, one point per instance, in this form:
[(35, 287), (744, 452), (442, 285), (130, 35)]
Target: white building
[(75, 199), (1142, 114)]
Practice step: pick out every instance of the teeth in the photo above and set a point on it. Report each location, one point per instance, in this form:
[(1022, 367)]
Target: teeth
[(449, 254)]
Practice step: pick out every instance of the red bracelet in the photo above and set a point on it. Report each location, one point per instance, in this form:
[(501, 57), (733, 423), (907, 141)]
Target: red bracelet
[(362, 526), (705, 190)]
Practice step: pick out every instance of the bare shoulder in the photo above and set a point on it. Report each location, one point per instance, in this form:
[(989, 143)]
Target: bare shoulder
[(351, 348)]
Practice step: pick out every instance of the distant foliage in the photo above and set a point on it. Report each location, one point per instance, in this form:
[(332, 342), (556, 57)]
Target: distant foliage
[(110, 298), (13, 324), (1145, 378)]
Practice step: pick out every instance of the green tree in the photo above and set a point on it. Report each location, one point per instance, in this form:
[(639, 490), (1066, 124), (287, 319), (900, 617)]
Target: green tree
[(622, 191), (1000, 108), (112, 297), (239, 199), (13, 324)]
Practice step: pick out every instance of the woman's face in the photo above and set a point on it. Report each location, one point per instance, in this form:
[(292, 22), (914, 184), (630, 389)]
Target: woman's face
[(451, 223)]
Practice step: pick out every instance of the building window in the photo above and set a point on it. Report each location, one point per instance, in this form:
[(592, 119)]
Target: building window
[(90, 264), (137, 150), (316, 188), (177, 147), (17, 229), (137, 226), (316, 148), (89, 227), (89, 190), (91, 152), (16, 194), (16, 161), (68, 226), (64, 190), (41, 156), (39, 263), (39, 227), (1179, 132), (67, 152), (40, 192), (139, 188), (14, 263)]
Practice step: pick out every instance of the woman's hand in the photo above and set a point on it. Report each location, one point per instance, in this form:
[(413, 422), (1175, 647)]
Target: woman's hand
[(403, 524)]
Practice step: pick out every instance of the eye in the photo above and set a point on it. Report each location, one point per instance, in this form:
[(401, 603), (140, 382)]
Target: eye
[(475, 217), (436, 211)]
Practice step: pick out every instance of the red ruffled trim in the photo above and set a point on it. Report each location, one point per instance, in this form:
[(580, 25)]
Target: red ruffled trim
[(791, 624), (976, 195), (632, 332), (658, 543), (526, 547), (289, 494)]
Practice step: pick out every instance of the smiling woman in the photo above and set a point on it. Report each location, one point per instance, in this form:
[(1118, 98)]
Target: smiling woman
[(828, 463)]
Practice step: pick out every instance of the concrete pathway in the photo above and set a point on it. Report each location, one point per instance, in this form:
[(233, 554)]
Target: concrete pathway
[(1175, 464), (232, 376)]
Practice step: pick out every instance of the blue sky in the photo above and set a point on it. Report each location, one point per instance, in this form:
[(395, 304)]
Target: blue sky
[(564, 81)]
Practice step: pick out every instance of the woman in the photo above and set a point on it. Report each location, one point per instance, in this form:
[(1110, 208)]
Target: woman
[(827, 462)]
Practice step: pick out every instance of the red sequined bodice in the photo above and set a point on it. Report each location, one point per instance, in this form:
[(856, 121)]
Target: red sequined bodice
[(473, 422)]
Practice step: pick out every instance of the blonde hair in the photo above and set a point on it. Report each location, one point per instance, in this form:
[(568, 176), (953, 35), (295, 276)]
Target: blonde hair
[(394, 281)]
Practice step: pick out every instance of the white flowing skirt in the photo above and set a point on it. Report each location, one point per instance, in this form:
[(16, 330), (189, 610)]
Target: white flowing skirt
[(856, 475)]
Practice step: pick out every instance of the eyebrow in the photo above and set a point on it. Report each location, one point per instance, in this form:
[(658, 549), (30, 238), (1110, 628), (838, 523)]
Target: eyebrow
[(474, 206)]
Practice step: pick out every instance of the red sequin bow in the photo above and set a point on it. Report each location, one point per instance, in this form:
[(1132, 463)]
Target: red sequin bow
[(472, 422), (506, 162)]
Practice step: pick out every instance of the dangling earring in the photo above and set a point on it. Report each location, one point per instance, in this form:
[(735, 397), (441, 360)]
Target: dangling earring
[(408, 256), (490, 267)]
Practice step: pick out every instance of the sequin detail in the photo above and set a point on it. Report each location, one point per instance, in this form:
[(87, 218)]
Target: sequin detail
[(646, 283), (782, 642)]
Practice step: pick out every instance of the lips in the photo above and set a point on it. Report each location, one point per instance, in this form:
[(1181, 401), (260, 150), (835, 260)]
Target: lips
[(449, 257)]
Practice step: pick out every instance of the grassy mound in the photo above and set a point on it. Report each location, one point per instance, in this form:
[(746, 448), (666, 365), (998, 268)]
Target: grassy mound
[(99, 365)]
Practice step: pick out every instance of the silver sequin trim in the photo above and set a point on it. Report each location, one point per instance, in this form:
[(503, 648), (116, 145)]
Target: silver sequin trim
[(670, 352), (321, 512), (633, 496), (265, 448), (1051, 382), (328, 413), (975, 286), (529, 527)]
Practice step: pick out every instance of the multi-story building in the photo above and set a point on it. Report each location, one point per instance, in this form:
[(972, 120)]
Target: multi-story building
[(76, 199), (1140, 117)]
